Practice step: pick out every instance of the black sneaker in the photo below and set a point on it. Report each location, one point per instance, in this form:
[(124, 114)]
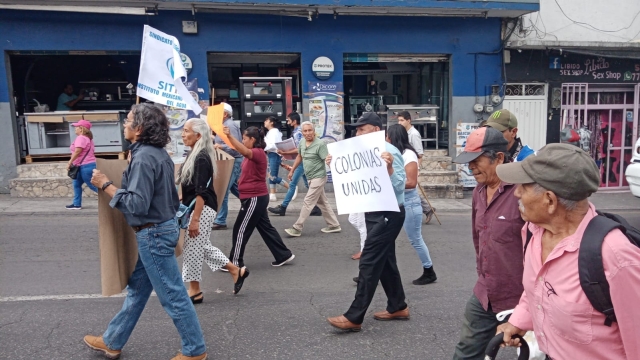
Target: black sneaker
[(73, 207), (275, 263), (316, 211), (278, 210)]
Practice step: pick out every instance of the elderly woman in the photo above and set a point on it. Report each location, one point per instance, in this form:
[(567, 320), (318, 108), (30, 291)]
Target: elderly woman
[(196, 179), (82, 155)]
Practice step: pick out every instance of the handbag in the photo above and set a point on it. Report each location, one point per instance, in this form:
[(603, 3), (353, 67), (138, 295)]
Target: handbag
[(183, 214), (75, 169)]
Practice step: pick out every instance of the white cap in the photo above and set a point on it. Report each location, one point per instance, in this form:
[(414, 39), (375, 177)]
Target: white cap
[(228, 108)]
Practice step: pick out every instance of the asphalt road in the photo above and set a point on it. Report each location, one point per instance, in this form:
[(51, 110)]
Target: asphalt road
[(279, 314)]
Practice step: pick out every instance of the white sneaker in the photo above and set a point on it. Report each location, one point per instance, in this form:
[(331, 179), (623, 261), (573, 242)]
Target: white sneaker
[(295, 194), (272, 197)]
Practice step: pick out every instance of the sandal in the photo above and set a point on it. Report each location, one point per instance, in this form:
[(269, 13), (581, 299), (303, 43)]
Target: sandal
[(196, 301), (238, 284)]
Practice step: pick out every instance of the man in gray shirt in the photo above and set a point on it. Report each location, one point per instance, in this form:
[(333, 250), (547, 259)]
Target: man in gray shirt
[(149, 201), (220, 222), (415, 139)]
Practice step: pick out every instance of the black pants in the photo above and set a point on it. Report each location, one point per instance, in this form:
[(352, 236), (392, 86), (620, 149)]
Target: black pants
[(253, 214), (378, 263)]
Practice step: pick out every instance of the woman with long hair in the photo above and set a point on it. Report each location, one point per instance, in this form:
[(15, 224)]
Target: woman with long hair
[(196, 180), (272, 137), (82, 155), (397, 136), (254, 198)]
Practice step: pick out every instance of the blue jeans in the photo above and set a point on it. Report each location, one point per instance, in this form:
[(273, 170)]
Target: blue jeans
[(297, 174), (274, 166), (221, 218), (413, 226), (84, 177), (157, 269)]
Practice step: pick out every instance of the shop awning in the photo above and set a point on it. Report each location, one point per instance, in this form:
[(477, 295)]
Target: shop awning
[(306, 8)]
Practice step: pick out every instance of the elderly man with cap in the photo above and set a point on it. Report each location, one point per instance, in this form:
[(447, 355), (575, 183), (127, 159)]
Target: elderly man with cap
[(553, 190), (495, 229), (378, 259), (220, 222), (507, 123)]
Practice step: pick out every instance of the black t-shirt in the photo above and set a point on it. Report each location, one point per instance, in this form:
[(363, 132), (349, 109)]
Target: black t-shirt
[(202, 174)]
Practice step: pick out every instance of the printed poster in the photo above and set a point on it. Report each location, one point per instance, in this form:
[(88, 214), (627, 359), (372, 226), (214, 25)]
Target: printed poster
[(465, 177), (325, 102)]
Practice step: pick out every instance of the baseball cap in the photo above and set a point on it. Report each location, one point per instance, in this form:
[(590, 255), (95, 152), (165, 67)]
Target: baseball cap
[(481, 140), (566, 170), (368, 118), (83, 123), (502, 120)]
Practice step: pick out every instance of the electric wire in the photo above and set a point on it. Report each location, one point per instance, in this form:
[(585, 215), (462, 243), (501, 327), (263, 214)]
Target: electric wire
[(593, 27)]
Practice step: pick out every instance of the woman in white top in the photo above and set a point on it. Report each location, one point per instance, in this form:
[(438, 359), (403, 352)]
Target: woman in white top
[(397, 136), (272, 137)]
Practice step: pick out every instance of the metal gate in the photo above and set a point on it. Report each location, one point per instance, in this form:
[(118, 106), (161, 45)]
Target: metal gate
[(610, 113), (528, 102)]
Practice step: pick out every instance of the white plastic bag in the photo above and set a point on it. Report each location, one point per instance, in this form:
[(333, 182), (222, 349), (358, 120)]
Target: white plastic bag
[(529, 337)]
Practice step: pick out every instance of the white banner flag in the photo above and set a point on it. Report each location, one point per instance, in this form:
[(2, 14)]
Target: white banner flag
[(361, 182), (162, 72)]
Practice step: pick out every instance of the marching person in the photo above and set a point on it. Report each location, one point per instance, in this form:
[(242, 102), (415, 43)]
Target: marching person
[(415, 139), (397, 136), (553, 190), (254, 198), (507, 123), (312, 153), (149, 201), (273, 136), (495, 230), (378, 260), (220, 223), (196, 180), (293, 120), (82, 155)]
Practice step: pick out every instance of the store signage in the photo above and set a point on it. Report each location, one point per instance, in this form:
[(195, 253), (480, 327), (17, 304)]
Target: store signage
[(186, 62), (597, 69), (326, 104), (162, 72), (322, 68), (554, 62)]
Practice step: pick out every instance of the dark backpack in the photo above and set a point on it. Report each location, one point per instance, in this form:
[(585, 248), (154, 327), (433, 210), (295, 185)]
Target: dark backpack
[(590, 268)]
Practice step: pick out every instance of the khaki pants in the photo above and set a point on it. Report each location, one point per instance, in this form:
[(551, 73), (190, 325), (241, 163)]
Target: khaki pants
[(316, 195)]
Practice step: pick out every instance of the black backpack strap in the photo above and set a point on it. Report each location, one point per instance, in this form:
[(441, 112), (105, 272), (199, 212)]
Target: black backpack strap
[(591, 270), (526, 243)]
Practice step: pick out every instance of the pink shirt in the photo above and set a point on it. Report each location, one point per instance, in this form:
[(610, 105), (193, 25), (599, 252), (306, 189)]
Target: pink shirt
[(87, 145), (555, 307)]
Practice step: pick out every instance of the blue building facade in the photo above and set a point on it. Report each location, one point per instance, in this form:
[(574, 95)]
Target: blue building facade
[(472, 44)]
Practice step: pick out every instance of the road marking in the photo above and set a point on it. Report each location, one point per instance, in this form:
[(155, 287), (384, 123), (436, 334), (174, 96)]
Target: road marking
[(62, 297)]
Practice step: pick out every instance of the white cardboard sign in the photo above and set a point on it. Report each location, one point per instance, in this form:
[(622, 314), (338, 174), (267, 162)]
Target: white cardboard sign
[(361, 182), (162, 72)]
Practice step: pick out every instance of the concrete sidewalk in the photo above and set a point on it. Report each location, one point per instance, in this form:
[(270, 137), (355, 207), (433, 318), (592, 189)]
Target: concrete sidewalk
[(605, 201)]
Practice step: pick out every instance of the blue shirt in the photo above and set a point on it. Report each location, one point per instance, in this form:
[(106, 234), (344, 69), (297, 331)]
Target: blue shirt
[(399, 176), (148, 193), (296, 135), (63, 99), (235, 132)]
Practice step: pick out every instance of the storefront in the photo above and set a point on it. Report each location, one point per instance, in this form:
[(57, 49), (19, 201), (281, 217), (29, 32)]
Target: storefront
[(438, 61), (598, 97)]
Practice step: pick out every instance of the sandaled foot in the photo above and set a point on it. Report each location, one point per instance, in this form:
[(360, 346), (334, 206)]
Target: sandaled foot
[(356, 256), (237, 286), (197, 298)]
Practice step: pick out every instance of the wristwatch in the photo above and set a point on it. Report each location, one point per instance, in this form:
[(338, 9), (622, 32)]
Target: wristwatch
[(106, 185)]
